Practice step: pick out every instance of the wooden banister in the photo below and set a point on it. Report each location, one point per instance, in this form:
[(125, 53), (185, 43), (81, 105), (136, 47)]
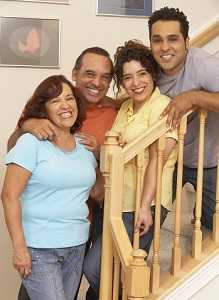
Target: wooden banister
[(206, 36), (121, 241), (144, 140), (116, 241)]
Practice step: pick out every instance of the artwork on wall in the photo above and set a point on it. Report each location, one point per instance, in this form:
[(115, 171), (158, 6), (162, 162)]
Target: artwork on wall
[(27, 42), (128, 8), (45, 1)]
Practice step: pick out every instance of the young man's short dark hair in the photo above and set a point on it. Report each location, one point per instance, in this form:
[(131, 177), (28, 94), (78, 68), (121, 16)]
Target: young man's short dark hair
[(170, 14)]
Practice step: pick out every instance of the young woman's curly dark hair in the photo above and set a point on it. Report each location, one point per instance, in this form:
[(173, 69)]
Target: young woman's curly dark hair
[(134, 50), (48, 89)]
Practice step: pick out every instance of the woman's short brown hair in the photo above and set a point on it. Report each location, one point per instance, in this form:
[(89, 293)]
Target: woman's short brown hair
[(48, 89)]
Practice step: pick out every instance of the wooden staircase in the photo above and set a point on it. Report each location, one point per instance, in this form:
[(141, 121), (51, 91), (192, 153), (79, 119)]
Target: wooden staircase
[(124, 262)]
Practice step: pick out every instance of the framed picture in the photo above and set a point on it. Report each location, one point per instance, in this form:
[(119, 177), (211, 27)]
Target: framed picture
[(27, 42), (127, 8), (45, 1)]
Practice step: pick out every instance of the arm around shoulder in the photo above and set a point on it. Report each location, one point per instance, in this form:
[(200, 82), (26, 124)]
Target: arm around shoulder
[(13, 138)]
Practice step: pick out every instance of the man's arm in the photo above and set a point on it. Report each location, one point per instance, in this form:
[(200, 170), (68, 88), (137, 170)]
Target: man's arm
[(40, 128), (13, 138), (186, 101)]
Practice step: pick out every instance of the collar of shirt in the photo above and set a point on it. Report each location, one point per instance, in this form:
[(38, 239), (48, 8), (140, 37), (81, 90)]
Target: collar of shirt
[(130, 109)]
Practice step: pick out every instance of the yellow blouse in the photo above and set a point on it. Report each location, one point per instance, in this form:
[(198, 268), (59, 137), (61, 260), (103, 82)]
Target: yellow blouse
[(131, 125)]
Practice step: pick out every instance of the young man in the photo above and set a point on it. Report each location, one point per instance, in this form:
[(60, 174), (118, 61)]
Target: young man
[(92, 74), (190, 77)]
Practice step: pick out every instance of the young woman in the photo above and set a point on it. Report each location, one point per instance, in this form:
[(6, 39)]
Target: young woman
[(136, 71), (49, 225)]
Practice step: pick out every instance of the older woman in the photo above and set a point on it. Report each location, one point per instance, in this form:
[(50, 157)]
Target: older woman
[(136, 71), (49, 226)]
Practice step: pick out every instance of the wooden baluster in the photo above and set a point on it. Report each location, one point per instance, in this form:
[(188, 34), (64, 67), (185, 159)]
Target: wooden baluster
[(106, 278), (176, 250), (139, 164), (155, 270), (116, 276), (197, 233), (215, 233), (137, 277), (124, 291)]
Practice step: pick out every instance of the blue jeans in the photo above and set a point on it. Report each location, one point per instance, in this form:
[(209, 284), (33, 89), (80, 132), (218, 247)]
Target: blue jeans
[(55, 273), (92, 260), (208, 193)]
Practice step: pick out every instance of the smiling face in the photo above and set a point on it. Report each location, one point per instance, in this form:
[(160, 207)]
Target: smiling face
[(93, 77), (168, 46), (137, 82), (62, 110)]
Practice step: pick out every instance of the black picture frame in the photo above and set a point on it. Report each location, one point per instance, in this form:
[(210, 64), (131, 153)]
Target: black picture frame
[(125, 8)]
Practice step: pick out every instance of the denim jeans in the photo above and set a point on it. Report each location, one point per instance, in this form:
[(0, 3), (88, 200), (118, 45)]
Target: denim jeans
[(208, 194), (92, 260), (55, 273)]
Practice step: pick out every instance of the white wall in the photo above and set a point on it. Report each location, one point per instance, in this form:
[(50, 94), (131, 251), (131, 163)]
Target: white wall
[(80, 28)]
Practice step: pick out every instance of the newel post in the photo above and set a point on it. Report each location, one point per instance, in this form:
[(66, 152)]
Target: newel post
[(137, 277), (106, 278)]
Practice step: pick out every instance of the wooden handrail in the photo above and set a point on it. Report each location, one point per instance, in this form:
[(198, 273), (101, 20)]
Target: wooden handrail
[(122, 242), (145, 139), (206, 36)]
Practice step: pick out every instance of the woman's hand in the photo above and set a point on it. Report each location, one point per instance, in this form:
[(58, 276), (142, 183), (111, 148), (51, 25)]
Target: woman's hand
[(22, 260), (144, 220), (121, 140)]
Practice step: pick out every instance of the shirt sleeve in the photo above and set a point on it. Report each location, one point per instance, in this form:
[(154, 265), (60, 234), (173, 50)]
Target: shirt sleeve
[(24, 153), (119, 122), (208, 73), (155, 116)]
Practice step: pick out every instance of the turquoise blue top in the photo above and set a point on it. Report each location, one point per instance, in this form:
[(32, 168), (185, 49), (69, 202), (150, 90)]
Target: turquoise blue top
[(54, 210)]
